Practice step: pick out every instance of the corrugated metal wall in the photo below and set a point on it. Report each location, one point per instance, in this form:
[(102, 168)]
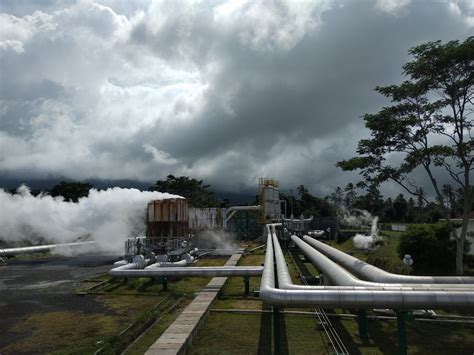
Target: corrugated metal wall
[(206, 218), (167, 218)]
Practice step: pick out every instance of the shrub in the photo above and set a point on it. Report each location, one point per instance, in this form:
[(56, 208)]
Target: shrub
[(431, 248)]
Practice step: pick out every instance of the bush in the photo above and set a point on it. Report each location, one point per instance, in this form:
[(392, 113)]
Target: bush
[(431, 249)]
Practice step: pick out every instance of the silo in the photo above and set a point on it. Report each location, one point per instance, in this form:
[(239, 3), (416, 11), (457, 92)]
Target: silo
[(269, 200)]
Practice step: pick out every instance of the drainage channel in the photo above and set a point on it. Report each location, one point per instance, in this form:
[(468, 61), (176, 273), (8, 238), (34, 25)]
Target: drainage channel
[(322, 318)]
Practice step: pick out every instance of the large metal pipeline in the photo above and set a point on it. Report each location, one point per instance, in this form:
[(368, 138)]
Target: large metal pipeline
[(374, 274), (338, 297), (341, 277), (204, 271), (41, 248), (168, 264)]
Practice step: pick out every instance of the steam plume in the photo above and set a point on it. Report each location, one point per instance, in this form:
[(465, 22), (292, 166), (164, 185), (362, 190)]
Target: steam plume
[(218, 239), (108, 216), (366, 241)]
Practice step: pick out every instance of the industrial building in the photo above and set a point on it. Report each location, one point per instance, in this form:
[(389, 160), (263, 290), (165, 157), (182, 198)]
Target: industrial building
[(169, 252)]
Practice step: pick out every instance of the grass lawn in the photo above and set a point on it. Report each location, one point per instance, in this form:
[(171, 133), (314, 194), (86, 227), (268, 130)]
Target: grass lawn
[(75, 332), (231, 333)]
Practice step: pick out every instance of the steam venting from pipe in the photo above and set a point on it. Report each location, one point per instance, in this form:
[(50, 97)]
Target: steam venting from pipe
[(357, 218), (107, 217), (218, 239), (362, 241), (354, 218)]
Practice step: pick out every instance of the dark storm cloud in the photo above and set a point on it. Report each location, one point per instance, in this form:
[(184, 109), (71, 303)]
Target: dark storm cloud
[(222, 91)]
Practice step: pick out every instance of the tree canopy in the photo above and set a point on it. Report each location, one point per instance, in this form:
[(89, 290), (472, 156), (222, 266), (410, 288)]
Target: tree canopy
[(71, 191), (195, 191), (428, 125)]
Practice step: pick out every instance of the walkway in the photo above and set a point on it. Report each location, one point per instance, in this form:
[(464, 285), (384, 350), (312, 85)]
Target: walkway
[(180, 333)]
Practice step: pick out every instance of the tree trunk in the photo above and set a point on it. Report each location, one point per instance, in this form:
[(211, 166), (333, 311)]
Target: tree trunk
[(447, 215), (462, 236)]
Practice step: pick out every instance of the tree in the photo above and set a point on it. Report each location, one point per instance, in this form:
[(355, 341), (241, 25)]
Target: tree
[(388, 210), (193, 190), (449, 197), (400, 208), (336, 197), (428, 126), (350, 194), (372, 201), (311, 205), (71, 191), (430, 247)]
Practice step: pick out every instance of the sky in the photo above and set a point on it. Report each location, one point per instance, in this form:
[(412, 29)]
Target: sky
[(225, 91)]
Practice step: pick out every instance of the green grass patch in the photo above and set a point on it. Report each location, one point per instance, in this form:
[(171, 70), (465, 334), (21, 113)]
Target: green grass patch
[(128, 305), (252, 334), (228, 334), (232, 303), (118, 343), (234, 286), (63, 332)]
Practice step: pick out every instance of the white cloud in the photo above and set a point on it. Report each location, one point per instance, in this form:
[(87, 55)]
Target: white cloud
[(217, 90), (268, 26), (463, 9), (394, 7), (13, 45), (159, 155)]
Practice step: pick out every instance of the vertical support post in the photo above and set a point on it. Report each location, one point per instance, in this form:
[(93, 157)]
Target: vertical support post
[(247, 285), (402, 336), (362, 322), (165, 283), (276, 330)]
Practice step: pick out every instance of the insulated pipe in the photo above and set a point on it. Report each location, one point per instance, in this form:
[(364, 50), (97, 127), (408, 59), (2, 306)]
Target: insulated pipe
[(205, 271), (372, 273), (271, 228), (231, 211), (241, 208), (340, 298), (129, 266), (168, 264), (40, 248), (341, 277)]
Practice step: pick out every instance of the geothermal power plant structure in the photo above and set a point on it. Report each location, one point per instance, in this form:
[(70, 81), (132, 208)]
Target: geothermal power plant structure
[(169, 249), (172, 226), (167, 231)]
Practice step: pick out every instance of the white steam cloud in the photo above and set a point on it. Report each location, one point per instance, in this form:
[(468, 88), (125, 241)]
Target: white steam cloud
[(357, 218), (354, 218), (108, 216), (367, 241), (218, 239)]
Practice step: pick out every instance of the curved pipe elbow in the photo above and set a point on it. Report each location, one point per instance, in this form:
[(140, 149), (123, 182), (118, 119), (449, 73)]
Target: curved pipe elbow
[(374, 274)]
